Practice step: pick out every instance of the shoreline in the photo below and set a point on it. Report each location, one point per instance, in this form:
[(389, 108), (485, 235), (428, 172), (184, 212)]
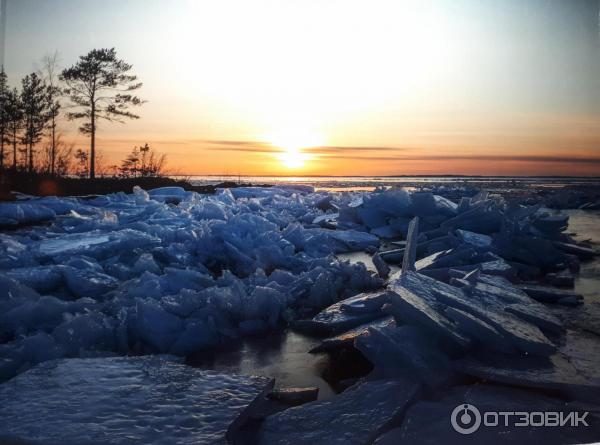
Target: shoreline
[(43, 185)]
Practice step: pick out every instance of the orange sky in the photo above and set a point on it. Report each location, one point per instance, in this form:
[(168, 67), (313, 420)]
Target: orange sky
[(340, 87), (509, 145)]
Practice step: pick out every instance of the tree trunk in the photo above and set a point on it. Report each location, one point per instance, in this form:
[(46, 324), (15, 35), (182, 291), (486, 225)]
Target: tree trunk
[(14, 141), (93, 142), (53, 152), (2, 150), (30, 157)]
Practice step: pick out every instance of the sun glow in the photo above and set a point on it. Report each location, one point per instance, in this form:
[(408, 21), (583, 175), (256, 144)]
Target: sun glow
[(292, 143), (292, 159)]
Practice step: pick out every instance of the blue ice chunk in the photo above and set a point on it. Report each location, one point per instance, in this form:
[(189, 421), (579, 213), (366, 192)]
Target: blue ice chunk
[(85, 332), (197, 335), (88, 282), (155, 326), (41, 278)]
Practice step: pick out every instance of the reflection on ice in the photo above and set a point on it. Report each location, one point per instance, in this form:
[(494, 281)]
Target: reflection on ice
[(123, 400), (67, 244)]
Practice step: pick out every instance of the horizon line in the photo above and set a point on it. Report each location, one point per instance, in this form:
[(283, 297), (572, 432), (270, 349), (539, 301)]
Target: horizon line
[(386, 176)]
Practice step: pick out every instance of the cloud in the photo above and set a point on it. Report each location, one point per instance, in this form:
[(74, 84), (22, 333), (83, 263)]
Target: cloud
[(357, 149), (240, 146), (265, 147), (363, 153), (491, 158)]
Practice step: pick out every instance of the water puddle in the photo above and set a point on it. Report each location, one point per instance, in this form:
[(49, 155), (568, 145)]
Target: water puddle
[(283, 356)]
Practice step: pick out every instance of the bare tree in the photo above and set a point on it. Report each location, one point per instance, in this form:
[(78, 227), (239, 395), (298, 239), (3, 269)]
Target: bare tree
[(56, 152), (63, 157), (50, 74), (63, 160), (100, 85), (155, 164)]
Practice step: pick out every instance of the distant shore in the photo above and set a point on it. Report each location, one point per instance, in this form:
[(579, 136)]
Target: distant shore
[(440, 176), (39, 184)]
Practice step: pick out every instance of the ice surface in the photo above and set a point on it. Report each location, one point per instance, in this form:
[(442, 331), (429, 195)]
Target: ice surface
[(123, 400), (346, 314), (480, 220), (482, 332), (173, 271), (167, 194), (475, 239), (347, 339), (420, 299), (357, 416), (40, 278), (15, 214), (404, 351), (410, 254), (572, 370), (580, 251), (428, 422), (67, 244), (414, 307), (88, 283), (352, 240), (556, 373)]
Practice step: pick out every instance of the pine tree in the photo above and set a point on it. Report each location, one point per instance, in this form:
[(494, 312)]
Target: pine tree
[(34, 98), (82, 162), (99, 84), (129, 165), (4, 116), (14, 110)]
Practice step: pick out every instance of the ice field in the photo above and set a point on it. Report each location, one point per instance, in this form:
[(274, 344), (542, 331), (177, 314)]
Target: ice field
[(480, 288)]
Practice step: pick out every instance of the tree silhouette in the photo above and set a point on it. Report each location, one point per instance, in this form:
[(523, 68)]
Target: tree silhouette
[(99, 85), (34, 99), (49, 71), (129, 165), (82, 163), (4, 116), (14, 111), (142, 162)]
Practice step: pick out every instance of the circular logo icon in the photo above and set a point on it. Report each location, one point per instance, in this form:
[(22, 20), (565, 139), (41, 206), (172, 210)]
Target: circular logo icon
[(465, 419)]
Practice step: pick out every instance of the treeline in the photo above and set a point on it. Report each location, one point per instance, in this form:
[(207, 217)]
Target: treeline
[(99, 87)]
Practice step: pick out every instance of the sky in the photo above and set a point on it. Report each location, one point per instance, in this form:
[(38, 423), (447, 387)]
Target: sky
[(348, 87)]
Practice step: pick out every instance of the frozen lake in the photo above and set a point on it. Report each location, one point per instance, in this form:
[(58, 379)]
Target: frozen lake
[(369, 183)]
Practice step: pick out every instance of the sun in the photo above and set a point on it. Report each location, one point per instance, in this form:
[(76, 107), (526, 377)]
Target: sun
[(292, 159), (292, 143)]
